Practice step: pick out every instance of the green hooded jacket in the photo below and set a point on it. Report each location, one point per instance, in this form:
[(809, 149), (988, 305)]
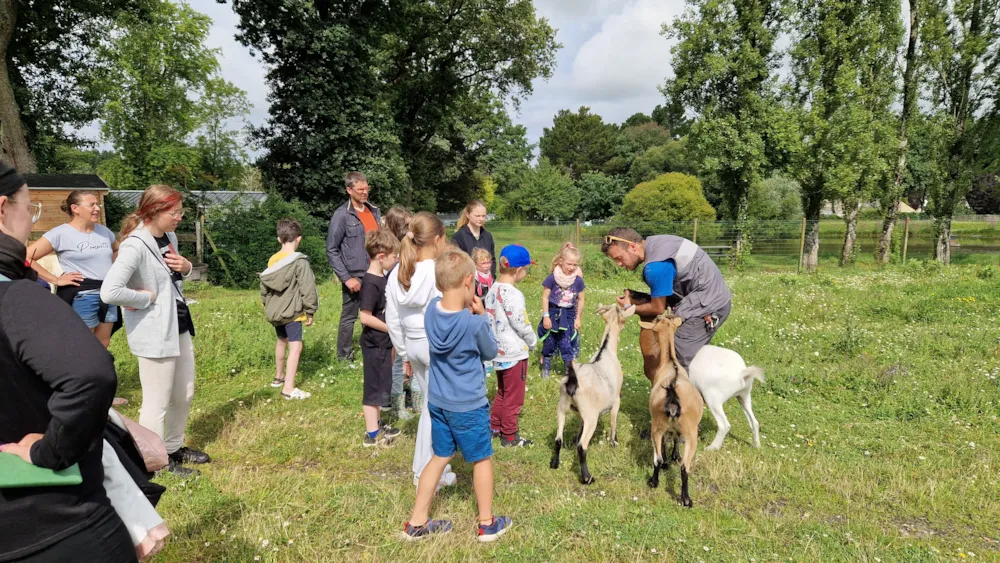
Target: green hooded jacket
[(288, 290)]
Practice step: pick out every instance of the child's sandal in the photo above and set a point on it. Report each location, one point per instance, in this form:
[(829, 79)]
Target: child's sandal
[(278, 382)]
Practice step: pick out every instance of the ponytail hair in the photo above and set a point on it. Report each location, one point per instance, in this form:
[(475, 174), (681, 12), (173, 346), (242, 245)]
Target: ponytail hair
[(74, 198), (155, 200), (424, 227), (463, 219), (567, 249)]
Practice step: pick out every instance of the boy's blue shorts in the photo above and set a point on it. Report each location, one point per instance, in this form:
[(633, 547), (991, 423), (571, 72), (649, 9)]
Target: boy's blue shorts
[(469, 431), (291, 332)]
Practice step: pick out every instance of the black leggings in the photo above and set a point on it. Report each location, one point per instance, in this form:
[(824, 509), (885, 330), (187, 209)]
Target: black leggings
[(106, 540)]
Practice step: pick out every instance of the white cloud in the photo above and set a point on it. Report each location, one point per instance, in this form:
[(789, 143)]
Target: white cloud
[(628, 57)]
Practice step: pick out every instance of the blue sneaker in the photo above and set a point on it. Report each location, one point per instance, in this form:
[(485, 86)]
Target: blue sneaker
[(412, 533), (495, 529)]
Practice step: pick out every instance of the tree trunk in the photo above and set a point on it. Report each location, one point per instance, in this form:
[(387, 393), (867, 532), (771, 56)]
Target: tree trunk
[(942, 250), (813, 204), (742, 224), (13, 141), (851, 212), (884, 251)]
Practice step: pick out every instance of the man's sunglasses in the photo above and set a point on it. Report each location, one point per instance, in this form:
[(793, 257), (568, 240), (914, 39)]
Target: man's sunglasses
[(610, 239)]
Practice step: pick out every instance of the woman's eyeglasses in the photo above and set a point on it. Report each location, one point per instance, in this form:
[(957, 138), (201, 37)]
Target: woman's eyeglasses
[(178, 215), (35, 208)]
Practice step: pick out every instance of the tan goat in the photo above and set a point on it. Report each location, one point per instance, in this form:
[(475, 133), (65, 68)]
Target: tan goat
[(675, 405), (593, 388)]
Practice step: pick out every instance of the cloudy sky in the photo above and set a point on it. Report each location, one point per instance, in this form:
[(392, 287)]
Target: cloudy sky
[(612, 60)]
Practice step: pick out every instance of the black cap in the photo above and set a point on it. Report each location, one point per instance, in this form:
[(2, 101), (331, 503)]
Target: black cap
[(10, 180)]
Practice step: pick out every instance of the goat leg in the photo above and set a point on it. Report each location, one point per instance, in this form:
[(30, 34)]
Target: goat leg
[(690, 446), (588, 428), (585, 477), (614, 421), (554, 464), (560, 425), (685, 498), (675, 456)]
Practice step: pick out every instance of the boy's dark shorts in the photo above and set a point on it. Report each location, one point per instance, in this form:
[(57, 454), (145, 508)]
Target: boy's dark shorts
[(468, 431), (291, 331), (378, 376)]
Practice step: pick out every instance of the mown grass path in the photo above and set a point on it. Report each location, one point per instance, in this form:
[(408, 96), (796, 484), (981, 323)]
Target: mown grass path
[(879, 422)]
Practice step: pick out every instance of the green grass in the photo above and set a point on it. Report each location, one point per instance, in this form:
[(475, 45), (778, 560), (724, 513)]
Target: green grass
[(879, 422)]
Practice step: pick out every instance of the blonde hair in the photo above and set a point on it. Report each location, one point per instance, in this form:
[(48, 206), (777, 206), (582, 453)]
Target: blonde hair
[(155, 200), (380, 241), (463, 219), (567, 250), (480, 254), (452, 267), (424, 227)]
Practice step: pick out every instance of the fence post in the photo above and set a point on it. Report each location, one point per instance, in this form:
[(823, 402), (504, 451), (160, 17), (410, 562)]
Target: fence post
[(906, 237), (577, 233), (199, 228), (694, 237), (802, 244)]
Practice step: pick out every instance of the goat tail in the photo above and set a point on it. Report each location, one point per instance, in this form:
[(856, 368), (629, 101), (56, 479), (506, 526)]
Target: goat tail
[(751, 373), (570, 383)]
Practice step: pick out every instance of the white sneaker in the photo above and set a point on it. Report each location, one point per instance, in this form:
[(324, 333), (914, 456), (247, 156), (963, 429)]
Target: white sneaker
[(297, 394), (448, 479)]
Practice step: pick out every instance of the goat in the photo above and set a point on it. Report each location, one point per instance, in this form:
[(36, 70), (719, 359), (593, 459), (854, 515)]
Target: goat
[(593, 388), (675, 406), (719, 374)]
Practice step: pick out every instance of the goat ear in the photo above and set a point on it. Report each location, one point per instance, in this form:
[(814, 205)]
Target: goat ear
[(677, 321), (645, 325)]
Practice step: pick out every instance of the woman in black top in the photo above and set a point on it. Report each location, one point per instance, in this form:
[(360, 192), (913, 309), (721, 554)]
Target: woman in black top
[(56, 385), (472, 234)]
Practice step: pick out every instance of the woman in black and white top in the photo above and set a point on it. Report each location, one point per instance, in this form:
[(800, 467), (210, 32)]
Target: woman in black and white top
[(56, 385), (146, 281)]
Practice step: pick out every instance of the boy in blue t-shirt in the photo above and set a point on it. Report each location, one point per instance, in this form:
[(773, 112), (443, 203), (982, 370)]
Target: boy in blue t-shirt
[(459, 342)]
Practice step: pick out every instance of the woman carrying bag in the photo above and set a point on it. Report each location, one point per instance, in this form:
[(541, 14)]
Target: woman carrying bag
[(54, 402), (147, 282)]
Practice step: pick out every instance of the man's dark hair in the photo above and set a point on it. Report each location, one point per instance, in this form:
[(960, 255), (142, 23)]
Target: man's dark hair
[(354, 178), (622, 233), (289, 230)]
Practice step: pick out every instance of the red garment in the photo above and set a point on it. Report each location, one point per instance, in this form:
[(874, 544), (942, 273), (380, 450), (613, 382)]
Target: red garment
[(507, 403), (367, 219)]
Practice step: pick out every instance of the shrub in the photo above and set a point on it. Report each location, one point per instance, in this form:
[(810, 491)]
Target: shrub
[(600, 196), (670, 197), (244, 236), (777, 198)]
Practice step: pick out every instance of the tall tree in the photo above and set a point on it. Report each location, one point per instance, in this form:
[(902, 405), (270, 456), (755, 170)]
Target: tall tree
[(393, 88), (963, 58), (47, 50), (724, 66), (843, 84), (891, 198), (160, 85), (578, 142)]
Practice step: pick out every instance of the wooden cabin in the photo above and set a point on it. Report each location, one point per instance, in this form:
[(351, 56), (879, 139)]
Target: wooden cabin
[(51, 191)]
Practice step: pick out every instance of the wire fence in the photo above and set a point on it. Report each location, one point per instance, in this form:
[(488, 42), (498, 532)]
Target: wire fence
[(773, 244)]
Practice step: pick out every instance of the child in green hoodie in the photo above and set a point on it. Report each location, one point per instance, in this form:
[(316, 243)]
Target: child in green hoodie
[(288, 291)]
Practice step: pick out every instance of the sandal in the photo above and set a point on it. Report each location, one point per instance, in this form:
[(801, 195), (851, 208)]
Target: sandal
[(278, 382)]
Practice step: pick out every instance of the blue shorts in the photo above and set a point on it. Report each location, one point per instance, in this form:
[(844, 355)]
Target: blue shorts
[(468, 431), (88, 306), (291, 332)]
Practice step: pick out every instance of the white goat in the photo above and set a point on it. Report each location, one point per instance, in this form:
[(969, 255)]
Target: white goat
[(593, 388)]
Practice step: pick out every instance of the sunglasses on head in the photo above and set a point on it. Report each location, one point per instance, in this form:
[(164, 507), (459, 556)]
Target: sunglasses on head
[(610, 239)]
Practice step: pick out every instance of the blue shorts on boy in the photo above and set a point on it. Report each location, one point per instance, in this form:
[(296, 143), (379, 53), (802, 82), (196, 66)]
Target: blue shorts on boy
[(459, 342), (291, 332)]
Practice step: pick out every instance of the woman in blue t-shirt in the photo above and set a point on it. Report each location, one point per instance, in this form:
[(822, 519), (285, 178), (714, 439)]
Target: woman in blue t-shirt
[(562, 305), (85, 249)]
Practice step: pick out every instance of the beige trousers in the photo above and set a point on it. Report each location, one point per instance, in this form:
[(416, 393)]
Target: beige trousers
[(167, 392)]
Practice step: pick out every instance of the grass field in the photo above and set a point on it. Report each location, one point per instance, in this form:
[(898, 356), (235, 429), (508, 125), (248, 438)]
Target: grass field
[(879, 422)]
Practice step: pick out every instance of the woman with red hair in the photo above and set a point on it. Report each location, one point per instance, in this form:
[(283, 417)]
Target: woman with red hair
[(147, 281)]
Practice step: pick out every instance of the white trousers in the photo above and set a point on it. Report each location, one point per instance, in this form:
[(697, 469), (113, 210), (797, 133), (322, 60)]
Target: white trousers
[(167, 392), (419, 356)]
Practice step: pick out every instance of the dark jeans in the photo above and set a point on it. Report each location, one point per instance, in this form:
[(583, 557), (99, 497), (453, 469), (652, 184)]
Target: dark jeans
[(509, 399), (694, 333), (348, 315), (106, 540)]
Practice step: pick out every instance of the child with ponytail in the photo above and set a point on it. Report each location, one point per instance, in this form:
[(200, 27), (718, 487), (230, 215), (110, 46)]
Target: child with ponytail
[(410, 288), (562, 309)]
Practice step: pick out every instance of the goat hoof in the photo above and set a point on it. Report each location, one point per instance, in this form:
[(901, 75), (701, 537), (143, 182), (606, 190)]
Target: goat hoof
[(653, 483), (587, 480), (713, 447), (554, 464), (687, 502), (665, 464), (614, 443)]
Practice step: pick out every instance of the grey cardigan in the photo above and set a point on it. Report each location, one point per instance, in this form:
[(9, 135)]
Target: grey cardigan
[(152, 327)]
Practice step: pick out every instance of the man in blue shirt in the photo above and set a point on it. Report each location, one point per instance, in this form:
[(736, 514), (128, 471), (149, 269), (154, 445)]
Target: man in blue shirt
[(680, 276)]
